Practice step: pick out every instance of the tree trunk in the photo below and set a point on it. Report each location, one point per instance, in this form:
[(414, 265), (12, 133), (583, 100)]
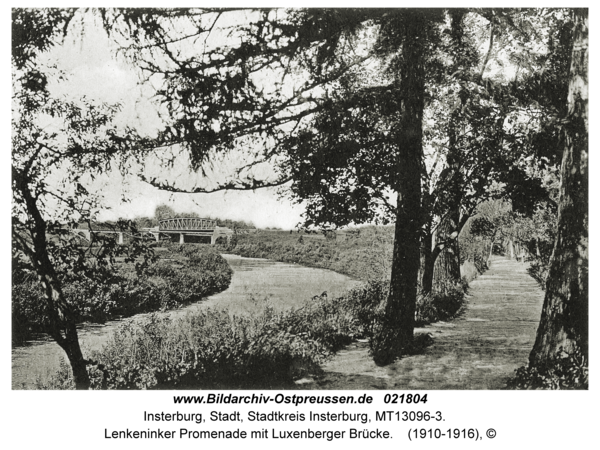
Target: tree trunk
[(64, 331), (511, 249), (426, 263), (62, 325), (446, 267), (564, 323), (396, 329), (446, 270)]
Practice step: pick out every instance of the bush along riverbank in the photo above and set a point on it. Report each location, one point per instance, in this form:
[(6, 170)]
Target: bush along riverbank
[(182, 275), (212, 348), (365, 254)]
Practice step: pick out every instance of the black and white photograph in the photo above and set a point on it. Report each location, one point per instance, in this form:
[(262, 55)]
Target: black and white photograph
[(263, 203)]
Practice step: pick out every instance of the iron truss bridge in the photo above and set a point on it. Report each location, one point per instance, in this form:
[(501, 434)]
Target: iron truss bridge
[(187, 224), (173, 229)]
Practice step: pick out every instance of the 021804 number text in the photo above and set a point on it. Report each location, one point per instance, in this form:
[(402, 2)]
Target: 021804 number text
[(405, 398)]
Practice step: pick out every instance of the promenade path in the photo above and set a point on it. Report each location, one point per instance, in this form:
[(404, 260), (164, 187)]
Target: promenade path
[(478, 350)]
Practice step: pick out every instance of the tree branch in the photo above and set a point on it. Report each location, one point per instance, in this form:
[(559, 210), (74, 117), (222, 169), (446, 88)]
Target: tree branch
[(489, 52), (237, 185)]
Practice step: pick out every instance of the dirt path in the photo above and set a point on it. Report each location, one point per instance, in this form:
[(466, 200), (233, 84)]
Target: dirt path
[(478, 350)]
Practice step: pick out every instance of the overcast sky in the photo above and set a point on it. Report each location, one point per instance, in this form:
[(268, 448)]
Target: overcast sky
[(94, 71)]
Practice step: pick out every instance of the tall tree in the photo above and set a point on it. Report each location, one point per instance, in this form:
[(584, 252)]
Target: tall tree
[(56, 146), (219, 100), (335, 99), (564, 323), (34, 152), (498, 140), (397, 328)]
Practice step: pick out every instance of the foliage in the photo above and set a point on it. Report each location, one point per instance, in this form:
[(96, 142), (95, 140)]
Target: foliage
[(496, 223), (207, 347), (353, 98), (58, 147), (34, 31), (363, 253), (185, 275), (437, 306), (473, 250), (567, 371), (344, 116), (541, 233), (214, 348)]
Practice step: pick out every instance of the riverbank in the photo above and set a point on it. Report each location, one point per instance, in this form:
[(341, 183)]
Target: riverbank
[(256, 284), (182, 275), (363, 254), (298, 340)]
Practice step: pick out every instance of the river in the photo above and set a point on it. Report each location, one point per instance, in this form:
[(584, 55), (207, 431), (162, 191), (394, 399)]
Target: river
[(254, 282)]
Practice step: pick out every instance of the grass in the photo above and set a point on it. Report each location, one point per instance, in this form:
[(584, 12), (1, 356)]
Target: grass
[(265, 347), (214, 348), (364, 253)]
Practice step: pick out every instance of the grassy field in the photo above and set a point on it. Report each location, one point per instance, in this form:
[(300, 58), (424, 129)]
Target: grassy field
[(364, 253)]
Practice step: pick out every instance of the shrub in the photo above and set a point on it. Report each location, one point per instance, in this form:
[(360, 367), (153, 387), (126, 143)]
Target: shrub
[(538, 270), (188, 274), (565, 372), (469, 271), (205, 348), (221, 241), (365, 303), (29, 310), (436, 306), (213, 348), (336, 322)]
